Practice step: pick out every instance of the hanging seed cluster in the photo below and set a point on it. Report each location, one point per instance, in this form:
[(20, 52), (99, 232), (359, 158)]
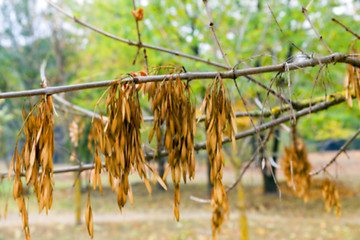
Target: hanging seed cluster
[(120, 141), (170, 102), (352, 80), (76, 131), (36, 155), (219, 211), (331, 196), (219, 118), (296, 166)]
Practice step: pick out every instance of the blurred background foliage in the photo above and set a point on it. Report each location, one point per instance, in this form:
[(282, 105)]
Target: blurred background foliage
[(32, 31)]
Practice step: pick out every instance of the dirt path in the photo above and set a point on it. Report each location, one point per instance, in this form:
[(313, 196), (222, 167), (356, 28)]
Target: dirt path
[(126, 216), (14, 220)]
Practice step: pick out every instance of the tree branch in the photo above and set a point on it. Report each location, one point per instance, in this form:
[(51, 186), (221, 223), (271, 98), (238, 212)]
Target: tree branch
[(342, 149), (333, 58)]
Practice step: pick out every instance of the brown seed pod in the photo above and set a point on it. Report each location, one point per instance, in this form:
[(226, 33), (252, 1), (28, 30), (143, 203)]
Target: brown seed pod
[(296, 168), (219, 118), (171, 104), (331, 196)]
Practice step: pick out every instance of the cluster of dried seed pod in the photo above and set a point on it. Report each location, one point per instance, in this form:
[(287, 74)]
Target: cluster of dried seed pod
[(331, 195), (36, 155), (219, 118), (352, 80), (296, 166), (171, 103), (76, 131), (120, 141)]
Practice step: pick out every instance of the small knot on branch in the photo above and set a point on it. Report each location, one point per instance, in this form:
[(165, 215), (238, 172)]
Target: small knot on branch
[(76, 19)]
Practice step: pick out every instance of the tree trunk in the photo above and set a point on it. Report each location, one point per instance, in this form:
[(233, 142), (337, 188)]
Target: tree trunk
[(210, 185), (161, 170), (162, 160), (269, 172)]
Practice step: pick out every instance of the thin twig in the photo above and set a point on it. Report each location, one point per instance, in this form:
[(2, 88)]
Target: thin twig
[(86, 112), (292, 43), (304, 11), (268, 89), (136, 55), (139, 41), (132, 43), (211, 24), (70, 111), (342, 149), (200, 200), (313, 88), (346, 28), (333, 58), (262, 144)]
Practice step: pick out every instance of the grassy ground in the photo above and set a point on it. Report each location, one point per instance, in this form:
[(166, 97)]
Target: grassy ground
[(268, 216)]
